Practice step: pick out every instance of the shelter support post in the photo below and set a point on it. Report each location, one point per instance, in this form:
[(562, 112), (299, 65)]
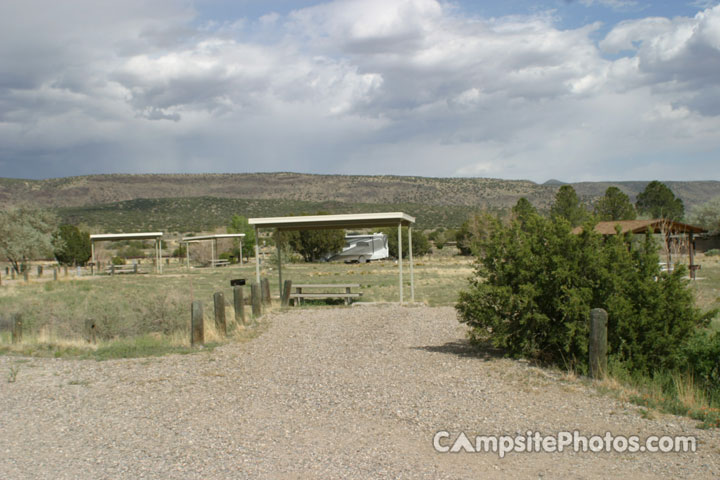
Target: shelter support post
[(187, 255), (241, 259), (412, 277), (257, 257), (279, 256), (160, 255), (92, 251), (691, 254), (400, 261), (213, 245)]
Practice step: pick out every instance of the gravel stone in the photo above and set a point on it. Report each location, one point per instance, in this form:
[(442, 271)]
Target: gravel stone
[(324, 393)]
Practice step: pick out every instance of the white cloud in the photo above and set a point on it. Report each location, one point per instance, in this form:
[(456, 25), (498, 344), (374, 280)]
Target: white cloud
[(372, 86), (614, 4)]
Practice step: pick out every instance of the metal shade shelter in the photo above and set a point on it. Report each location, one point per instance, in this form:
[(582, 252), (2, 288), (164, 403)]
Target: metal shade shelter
[(657, 225), (213, 245), (360, 220), (110, 237)]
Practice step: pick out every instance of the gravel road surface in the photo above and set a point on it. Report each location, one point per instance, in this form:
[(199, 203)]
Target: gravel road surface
[(324, 393)]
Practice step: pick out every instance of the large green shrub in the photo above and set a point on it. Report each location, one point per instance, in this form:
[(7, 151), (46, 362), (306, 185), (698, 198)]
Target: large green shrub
[(703, 359), (536, 282), (74, 247)]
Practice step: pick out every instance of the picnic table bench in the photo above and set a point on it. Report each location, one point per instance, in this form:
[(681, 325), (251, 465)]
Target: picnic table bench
[(113, 269), (299, 295)]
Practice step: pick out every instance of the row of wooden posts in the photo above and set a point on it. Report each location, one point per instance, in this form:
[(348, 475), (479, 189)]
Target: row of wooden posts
[(259, 299), (10, 272)]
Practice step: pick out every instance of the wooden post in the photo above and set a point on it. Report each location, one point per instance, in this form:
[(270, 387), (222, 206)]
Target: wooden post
[(26, 275), (0, 280), (239, 303), (65, 271), (256, 300), (265, 284), (112, 269), (17, 328), (39, 271), (220, 323), (197, 330), (12, 274), (691, 254), (598, 343), (55, 274), (90, 330), (287, 288)]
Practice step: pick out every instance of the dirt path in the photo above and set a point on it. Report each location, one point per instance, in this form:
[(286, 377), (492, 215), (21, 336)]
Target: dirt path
[(328, 393)]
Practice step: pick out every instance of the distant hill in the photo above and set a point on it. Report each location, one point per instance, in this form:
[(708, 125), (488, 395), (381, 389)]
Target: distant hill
[(198, 202), (553, 182)]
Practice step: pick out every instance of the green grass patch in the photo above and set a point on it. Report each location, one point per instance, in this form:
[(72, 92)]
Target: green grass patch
[(145, 346)]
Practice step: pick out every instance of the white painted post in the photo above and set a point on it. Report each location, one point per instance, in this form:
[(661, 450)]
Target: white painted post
[(400, 260), (257, 256), (160, 254), (92, 250), (212, 252), (412, 279), (280, 281)]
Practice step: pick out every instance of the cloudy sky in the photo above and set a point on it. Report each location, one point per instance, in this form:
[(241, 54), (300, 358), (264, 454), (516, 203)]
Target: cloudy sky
[(574, 90)]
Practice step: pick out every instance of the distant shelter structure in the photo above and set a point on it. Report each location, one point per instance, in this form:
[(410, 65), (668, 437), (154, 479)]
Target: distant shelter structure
[(213, 245), (346, 221), (670, 229), (114, 237)]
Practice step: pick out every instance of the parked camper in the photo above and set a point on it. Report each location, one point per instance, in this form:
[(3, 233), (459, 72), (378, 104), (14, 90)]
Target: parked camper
[(363, 248)]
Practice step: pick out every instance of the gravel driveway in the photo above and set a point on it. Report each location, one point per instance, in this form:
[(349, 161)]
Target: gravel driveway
[(324, 393)]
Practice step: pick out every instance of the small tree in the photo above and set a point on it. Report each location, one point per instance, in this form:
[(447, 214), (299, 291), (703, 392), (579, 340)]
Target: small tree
[(614, 205), (26, 234), (74, 245), (239, 224), (707, 215), (567, 205), (312, 245), (658, 201), (421, 245), (315, 244), (476, 228), (523, 210)]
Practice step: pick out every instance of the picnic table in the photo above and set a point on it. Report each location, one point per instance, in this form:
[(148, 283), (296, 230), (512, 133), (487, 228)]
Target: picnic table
[(113, 269), (329, 292)]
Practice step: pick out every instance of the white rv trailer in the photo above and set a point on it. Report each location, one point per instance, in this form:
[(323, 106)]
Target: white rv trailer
[(363, 248)]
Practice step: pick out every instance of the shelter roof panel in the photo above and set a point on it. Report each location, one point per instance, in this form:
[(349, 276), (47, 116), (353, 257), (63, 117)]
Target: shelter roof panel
[(126, 236), (360, 220), (657, 225), (212, 237)]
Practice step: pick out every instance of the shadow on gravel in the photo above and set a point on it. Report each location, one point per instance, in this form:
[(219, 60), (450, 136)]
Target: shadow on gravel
[(463, 348)]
